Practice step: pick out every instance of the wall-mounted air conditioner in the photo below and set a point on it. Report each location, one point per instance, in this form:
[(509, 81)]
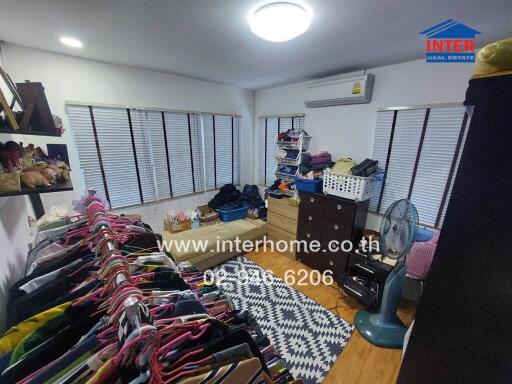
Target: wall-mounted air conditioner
[(339, 91)]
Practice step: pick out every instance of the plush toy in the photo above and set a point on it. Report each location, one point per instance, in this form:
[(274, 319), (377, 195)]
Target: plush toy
[(50, 175), (33, 179), (10, 155)]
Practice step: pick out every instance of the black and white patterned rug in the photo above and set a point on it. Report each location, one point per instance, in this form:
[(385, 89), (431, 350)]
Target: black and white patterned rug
[(308, 337)]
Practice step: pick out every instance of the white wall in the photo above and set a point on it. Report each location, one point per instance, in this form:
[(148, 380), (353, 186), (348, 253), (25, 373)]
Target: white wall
[(69, 78), (347, 131)]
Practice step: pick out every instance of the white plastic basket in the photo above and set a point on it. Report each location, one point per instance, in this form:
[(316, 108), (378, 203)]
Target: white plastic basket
[(350, 187)]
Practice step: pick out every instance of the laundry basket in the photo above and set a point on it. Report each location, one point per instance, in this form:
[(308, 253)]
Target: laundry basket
[(350, 187)]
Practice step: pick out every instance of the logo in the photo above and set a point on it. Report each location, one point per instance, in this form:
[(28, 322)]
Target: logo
[(450, 42), (356, 88)]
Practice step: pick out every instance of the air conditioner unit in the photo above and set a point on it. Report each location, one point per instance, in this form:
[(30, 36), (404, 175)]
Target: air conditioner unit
[(339, 91)]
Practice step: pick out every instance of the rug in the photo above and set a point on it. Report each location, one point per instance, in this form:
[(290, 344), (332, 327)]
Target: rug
[(308, 337)]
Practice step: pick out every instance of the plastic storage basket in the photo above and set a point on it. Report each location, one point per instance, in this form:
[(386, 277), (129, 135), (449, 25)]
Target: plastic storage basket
[(227, 215), (308, 185), (348, 186)]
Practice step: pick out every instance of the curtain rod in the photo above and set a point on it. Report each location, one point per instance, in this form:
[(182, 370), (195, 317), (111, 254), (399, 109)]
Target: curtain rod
[(107, 105), (282, 115)]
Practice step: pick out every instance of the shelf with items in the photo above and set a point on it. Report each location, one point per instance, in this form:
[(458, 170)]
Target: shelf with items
[(28, 170), (9, 131), (287, 166), (59, 187)]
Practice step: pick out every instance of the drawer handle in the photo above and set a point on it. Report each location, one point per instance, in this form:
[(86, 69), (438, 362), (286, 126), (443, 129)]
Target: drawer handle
[(352, 290), (331, 262), (312, 199), (310, 218), (336, 226), (364, 268), (338, 206), (308, 235)]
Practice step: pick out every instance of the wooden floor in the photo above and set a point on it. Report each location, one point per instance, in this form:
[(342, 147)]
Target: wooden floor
[(360, 362)]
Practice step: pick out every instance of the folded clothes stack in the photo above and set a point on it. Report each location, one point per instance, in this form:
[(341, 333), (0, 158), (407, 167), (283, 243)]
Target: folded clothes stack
[(313, 165)]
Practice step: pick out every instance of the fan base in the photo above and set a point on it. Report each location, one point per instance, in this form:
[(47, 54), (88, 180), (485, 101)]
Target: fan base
[(389, 335)]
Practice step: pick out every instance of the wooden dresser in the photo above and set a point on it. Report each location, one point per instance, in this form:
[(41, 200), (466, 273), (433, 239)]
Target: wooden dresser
[(282, 221), (325, 218)]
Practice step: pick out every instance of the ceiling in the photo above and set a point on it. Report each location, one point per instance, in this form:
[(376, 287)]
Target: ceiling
[(211, 40)]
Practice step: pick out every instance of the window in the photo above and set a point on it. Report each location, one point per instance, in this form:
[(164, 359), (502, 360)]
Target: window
[(419, 149), (222, 150), (134, 156), (269, 128)]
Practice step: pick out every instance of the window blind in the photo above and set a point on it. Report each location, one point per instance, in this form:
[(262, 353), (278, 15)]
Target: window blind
[(143, 143), (268, 129), (180, 153), (116, 148), (135, 156), (81, 123), (420, 150)]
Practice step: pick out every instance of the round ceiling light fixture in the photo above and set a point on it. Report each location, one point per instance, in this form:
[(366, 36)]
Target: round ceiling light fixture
[(71, 42), (280, 21)]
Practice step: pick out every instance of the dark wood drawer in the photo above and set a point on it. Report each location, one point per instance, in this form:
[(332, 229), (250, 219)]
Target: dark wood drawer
[(340, 210), (335, 230)]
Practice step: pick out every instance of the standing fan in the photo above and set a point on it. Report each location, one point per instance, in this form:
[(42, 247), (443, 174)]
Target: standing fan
[(397, 233)]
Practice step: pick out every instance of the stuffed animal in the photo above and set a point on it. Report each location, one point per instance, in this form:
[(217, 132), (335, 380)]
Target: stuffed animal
[(50, 175), (33, 179)]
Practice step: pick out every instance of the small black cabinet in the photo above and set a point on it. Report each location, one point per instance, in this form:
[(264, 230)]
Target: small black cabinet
[(365, 279), (325, 218)]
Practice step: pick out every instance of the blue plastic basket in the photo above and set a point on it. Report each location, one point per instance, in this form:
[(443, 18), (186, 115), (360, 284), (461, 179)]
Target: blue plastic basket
[(308, 185), (228, 215)]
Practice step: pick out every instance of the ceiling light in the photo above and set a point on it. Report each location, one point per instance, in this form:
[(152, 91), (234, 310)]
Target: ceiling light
[(70, 42), (280, 21)]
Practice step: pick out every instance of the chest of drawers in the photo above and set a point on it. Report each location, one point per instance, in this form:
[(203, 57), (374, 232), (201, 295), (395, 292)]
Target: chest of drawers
[(329, 220)]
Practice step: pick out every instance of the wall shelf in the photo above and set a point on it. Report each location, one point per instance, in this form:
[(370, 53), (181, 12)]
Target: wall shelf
[(10, 131), (59, 187)]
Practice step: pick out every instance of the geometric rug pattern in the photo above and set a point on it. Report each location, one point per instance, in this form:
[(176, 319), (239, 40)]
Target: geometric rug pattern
[(308, 337)]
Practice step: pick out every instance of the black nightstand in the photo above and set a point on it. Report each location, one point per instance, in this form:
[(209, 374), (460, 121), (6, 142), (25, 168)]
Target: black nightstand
[(365, 279)]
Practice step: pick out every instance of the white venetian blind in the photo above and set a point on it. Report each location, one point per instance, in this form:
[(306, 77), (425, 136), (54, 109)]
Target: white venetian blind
[(159, 150), (380, 148), (209, 152), (224, 150), (180, 154), (236, 150), (144, 152), (146, 155), (80, 120), (117, 155), (424, 148), (404, 150), (440, 143)]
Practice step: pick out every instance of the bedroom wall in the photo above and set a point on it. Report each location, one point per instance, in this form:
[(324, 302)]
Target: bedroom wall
[(347, 131), (70, 78)]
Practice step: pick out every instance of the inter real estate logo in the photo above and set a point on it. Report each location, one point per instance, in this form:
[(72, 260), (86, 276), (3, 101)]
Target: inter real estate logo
[(450, 42)]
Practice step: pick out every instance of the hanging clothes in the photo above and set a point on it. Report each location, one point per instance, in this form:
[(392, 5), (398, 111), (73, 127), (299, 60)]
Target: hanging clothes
[(101, 304)]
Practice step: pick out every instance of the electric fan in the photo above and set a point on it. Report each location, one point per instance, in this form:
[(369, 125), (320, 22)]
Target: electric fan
[(397, 233)]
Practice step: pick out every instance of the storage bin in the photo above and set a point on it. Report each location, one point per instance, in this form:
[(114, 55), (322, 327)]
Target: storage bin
[(308, 185), (228, 215), (350, 187)]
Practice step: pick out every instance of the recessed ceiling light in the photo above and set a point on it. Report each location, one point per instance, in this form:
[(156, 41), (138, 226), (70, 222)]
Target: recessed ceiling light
[(280, 21), (71, 42)]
